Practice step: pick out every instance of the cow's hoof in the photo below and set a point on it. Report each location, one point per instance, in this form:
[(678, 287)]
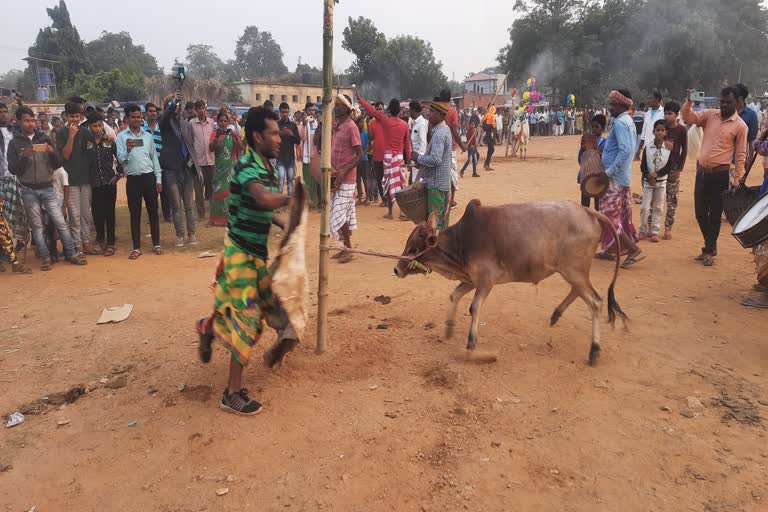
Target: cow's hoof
[(594, 355), (274, 356)]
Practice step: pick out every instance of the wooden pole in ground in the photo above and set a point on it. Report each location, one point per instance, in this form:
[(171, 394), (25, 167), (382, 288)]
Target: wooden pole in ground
[(325, 180)]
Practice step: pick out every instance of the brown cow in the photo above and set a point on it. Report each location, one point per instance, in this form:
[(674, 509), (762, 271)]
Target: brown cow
[(515, 243)]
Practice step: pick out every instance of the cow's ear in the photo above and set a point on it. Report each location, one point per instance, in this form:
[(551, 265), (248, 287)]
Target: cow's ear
[(432, 222), (432, 241)]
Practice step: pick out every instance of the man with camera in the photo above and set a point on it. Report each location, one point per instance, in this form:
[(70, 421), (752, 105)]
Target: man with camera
[(178, 175), (724, 141), (289, 138)]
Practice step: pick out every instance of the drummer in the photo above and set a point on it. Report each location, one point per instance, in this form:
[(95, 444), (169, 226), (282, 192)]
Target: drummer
[(759, 297), (592, 140)]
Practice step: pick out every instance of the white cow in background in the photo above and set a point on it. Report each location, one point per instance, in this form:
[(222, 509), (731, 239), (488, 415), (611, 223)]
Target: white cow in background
[(518, 138)]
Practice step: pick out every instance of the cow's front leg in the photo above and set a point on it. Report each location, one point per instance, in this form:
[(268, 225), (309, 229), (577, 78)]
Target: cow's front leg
[(457, 294), (477, 302)]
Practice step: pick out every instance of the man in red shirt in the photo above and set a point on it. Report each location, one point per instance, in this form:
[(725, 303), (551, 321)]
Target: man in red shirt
[(376, 137), (346, 155), (397, 149)]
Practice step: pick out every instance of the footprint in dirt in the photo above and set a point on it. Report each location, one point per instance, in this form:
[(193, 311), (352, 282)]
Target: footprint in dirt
[(200, 393)]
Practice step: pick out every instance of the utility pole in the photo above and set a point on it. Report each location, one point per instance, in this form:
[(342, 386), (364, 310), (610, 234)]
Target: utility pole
[(325, 180)]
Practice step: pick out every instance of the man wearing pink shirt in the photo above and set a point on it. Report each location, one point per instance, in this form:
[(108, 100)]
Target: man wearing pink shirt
[(202, 156), (346, 155)]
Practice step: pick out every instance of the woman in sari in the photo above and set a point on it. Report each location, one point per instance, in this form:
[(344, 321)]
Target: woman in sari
[(225, 145)]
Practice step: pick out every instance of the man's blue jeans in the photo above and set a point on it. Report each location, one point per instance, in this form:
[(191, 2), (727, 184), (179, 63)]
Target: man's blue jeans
[(35, 199), (286, 173)]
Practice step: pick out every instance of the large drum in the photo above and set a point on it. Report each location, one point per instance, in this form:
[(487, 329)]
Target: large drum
[(752, 227), (594, 181)]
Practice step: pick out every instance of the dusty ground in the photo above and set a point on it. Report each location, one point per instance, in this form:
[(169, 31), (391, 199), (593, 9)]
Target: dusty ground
[(394, 419)]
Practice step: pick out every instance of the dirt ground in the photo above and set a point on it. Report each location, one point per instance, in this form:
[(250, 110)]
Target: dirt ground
[(392, 417)]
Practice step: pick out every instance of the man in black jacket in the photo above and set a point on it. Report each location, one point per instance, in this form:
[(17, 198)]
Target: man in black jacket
[(32, 159), (289, 138), (178, 183)]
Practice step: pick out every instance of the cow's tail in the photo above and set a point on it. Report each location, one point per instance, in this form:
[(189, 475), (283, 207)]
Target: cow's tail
[(614, 309)]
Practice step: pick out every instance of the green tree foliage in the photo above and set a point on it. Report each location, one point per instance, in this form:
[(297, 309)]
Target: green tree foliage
[(404, 66), (204, 64), (10, 80), (105, 86), (117, 51), (258, 55), (61, 42), (588, 48)]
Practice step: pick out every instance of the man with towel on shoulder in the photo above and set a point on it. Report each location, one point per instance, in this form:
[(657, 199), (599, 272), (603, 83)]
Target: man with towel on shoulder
[(346, 155)]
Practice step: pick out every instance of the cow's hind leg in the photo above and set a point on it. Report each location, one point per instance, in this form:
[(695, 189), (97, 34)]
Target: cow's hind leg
[(481, 294), (559, 310), (592, 299), (459, 292)]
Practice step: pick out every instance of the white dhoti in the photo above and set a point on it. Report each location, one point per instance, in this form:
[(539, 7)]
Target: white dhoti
[(454, 171), (343, 209)]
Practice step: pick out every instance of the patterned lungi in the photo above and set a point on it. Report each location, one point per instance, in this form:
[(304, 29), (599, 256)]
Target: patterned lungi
[(243, 298), (394, 175), (343, 209), (13, 208), (616, 204)]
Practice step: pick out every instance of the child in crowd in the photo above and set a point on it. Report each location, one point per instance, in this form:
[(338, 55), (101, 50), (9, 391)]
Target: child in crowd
[(60, 181), (472, 154), (678, 134), (102, 162), (592, 140), (655, 166)]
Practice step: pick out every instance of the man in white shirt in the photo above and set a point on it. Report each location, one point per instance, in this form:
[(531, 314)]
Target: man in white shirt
[(654, 113), (307, 133), (5, 138), (418, 127)]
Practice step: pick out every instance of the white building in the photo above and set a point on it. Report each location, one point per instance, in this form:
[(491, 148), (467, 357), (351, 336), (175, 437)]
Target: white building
[(483, 83)]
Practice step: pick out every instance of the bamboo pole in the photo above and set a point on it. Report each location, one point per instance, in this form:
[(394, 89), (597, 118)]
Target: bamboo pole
[(325, 180)]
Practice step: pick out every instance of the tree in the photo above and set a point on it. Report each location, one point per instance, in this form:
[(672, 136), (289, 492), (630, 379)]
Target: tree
[(402, 67), (117, 51), (589, 48), (10, 80), (203, 63), (106, 86), (362, 39), (305, 74), (258, 55), (61, 43)]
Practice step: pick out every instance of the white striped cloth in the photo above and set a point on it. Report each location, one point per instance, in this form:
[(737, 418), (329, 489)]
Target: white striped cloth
[(394, 175), (343, 209)]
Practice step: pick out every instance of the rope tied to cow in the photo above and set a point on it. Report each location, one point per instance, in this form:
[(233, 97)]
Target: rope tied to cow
[(413, 263)]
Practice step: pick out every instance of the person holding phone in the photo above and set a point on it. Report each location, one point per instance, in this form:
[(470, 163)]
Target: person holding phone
[(724, 141), (71, 142), (144, 180), (225, 144), (34, 169)]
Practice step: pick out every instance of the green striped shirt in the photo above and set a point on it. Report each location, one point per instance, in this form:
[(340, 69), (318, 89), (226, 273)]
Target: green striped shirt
[(249, 223)]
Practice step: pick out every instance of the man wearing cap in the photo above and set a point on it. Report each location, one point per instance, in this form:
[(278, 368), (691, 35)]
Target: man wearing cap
[(346, 155), (616, 202), (435, 165)]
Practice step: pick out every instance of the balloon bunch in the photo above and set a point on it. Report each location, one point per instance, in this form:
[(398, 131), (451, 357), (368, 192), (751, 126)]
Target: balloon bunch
[(529, 98), (570, 100)]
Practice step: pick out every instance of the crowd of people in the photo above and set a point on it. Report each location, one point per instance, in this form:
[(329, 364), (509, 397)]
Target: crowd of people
[(58, 181), (658, 138)]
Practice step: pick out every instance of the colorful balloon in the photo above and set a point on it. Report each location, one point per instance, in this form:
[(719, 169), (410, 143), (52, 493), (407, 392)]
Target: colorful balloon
[(526, 96)]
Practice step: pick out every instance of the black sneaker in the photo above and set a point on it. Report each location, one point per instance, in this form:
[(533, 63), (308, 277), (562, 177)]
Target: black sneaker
[(204, 347), (240, 403)]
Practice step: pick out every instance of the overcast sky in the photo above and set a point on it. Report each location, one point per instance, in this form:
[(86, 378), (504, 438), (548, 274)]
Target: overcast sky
[(465, 40)]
